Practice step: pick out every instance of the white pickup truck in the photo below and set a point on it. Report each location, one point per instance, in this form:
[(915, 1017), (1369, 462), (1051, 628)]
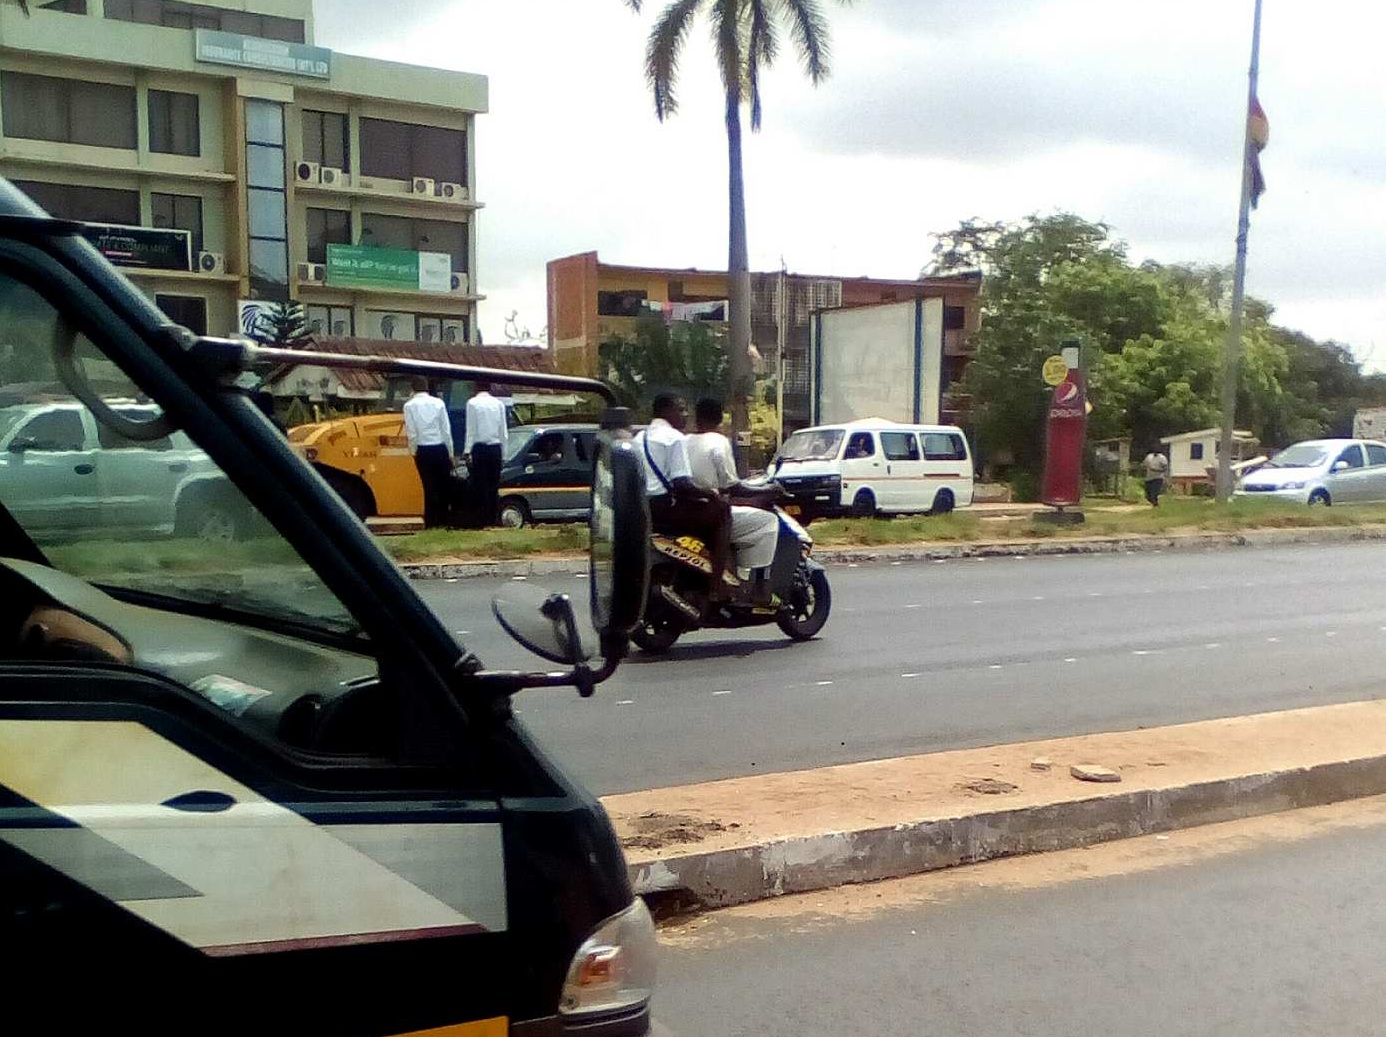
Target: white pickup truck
[(62, 470)]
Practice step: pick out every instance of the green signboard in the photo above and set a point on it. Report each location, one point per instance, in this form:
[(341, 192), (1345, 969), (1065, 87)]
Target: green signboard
[(388, 269), (231, 48)]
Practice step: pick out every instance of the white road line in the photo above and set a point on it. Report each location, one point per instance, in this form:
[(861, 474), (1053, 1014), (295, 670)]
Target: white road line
[(1070, 659), (823, 684), (994, 666), (1143, 651), (519, 579), (1331, 633), (727, 692), (1273, 640), (907, 676), (451, 579), (1038, 597), (1212, 644), (626, 702), (978, 601), (914, 606)]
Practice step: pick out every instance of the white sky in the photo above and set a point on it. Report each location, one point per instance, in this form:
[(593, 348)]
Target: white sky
[(937, 110)]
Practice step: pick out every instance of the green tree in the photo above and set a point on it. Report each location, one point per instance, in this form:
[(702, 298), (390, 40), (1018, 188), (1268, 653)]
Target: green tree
[(284, 326), (688, 358), (747, 35)]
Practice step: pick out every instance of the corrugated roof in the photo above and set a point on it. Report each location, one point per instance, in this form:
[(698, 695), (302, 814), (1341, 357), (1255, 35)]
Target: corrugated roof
[(504, 358)]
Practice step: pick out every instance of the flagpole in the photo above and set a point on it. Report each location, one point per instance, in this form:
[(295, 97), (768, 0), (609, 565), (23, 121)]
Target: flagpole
[(1234, 334)]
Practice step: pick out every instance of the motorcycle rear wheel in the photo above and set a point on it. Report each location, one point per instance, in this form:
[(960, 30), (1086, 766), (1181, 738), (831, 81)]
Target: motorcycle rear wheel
[(808, 610)]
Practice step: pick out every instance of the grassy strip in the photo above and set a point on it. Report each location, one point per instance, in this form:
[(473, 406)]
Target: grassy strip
[(1175, 515)]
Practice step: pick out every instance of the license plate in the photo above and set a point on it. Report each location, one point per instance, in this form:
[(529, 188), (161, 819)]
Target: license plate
[(793, 509)]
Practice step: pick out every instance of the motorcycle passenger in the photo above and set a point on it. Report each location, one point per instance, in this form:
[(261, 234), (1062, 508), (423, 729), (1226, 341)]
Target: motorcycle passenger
[(677, 504), (754, 531)]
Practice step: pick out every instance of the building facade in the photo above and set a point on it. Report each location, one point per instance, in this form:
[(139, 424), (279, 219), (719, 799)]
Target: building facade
[(226, 162), (590, 301)]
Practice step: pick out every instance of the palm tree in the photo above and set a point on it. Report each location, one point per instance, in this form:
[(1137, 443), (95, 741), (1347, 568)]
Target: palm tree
[(747, 36)]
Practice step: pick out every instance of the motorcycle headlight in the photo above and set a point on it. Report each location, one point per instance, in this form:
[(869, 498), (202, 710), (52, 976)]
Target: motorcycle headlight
[(614, 969)]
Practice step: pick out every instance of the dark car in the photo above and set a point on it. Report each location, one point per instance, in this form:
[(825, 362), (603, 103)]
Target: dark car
[(547, 474)]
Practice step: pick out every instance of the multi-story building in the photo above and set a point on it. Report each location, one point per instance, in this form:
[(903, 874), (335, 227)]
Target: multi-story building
[(260, 167), (590, 301)]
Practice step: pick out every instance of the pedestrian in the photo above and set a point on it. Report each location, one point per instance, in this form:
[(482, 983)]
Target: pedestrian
[(1156, 468), (429, 432), (483, 450)]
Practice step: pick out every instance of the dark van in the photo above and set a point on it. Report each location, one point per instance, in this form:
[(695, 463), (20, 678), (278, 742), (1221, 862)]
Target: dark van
[(254, 785)]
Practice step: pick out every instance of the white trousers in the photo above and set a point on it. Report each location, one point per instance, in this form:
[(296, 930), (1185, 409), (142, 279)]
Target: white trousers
[(754, 533)]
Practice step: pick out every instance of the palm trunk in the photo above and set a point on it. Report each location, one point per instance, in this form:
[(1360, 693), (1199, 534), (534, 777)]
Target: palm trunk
[(742, 377)]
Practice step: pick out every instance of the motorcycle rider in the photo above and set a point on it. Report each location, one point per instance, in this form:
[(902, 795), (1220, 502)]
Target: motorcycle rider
[(677, 503), (754, 531)]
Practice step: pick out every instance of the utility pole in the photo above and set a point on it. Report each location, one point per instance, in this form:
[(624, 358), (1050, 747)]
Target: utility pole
[(782, 333), (1234, 334)]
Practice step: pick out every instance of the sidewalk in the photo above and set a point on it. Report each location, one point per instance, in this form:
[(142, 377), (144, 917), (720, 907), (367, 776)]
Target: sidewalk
[(745, 839)]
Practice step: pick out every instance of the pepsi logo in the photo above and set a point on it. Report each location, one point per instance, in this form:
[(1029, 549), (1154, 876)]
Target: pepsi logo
[(1066, 393)]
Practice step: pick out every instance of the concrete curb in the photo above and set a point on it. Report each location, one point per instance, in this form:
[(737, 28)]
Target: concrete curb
[(740, 875), (952, 552)]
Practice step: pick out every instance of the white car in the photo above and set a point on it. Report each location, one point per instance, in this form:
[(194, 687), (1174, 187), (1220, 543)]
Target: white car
[(63, 470), (1321, 471)]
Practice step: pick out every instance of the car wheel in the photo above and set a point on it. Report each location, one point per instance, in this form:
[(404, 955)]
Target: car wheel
[(355, 494), (514, 513), (864, 504), (943, 503), (1320, 498), (210, 519)]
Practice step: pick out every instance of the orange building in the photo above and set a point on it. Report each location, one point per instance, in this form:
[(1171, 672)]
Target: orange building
[(590, 301)]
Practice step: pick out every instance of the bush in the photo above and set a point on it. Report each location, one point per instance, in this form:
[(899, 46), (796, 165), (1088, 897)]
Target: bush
[(1025, 487)]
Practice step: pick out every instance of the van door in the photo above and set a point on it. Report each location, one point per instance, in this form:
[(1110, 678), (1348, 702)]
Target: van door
[(862, 467), (903, 488), (50, 469)]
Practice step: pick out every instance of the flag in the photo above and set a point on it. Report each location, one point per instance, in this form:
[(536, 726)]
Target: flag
[(1258, 136)]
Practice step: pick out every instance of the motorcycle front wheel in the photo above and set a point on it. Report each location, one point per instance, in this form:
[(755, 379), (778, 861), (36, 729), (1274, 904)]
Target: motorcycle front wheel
[(655, 637), (808, 608)]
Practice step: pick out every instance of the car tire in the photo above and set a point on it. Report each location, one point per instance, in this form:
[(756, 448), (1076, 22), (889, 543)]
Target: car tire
[(210, 519), (864, 504), (514, 513), (354, 493), (943, 503), (1320, 498)]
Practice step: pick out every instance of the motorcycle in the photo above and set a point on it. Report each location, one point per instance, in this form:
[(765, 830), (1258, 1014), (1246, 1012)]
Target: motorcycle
[(681, 575)]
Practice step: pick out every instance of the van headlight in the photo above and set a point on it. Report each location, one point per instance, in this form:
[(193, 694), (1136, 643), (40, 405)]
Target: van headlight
[(614, 969)]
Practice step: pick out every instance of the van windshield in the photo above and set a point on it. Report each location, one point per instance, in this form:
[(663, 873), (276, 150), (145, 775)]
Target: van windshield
[(811, 445)]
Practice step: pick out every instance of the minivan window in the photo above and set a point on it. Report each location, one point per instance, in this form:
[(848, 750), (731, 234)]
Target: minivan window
[(812, 445), (900, 446), (860, 445), (943, 446)]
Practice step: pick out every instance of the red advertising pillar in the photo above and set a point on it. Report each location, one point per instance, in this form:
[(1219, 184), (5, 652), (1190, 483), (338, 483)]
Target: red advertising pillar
[(1065, 433)]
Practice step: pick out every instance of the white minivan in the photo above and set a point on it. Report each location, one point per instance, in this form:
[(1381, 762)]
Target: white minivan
[(873, 467)]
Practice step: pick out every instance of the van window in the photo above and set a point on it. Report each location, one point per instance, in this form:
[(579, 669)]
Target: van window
[(860, 445), (583, 443), (812, 445), (900, 446), (943, 446)]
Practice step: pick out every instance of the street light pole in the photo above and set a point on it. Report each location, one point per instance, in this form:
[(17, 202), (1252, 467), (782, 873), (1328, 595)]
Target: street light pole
[(1234, 333)]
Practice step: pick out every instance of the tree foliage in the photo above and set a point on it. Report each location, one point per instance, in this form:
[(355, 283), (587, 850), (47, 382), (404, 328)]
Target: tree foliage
[(689, 358), (284, 326), (1154, 338)]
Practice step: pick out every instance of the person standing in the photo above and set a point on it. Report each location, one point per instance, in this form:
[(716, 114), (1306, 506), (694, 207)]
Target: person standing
[(429, 432), (483, 450), (1156, 468)]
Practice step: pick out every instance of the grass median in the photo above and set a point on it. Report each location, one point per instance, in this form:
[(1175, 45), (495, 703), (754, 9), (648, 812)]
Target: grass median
[(1105, 518)]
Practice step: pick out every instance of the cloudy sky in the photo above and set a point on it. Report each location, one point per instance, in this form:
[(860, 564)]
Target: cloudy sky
[(937, 110)]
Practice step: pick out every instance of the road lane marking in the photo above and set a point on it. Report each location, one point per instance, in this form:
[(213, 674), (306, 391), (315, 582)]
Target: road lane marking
[(727, 692), (823, 684), (994, 666), (1273, 640), (626, 702), (1070, 659), (908, 676), (1212, 644)]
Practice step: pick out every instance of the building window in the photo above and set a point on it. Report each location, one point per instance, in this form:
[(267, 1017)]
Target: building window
[(69, 111), (330, 321), (173, 123), (266, 200), (179, 212), (188, 310), (327, 227), (86, 204), (1195, 451), (954, 318), (416, 236), (174, 15), (620, 304), (325, 139), (401, 151), (448, 329)]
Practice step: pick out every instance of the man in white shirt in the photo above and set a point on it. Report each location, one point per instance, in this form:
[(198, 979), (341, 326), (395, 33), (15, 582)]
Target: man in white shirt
[(483, 450), (677, 504), (429, 432), (754, 531)]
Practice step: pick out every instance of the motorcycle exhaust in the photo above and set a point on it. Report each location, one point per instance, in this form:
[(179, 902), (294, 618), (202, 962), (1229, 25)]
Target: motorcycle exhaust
[(672, 598)]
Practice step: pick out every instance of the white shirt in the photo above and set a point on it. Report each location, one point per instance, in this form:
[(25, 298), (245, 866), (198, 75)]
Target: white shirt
[(486, 424), (426, 422), (668, 450), (711, 462)]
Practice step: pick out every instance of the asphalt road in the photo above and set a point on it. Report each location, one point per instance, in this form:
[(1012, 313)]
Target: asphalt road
[(921, 657), (1277, 938)]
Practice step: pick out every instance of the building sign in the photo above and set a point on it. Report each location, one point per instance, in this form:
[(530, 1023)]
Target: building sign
[(144, 247), (231, 48), (388, 269), (1066, 433)]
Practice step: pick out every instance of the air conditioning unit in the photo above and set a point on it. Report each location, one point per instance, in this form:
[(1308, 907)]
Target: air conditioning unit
[(306, 172), (460, 283), (312, 272), (452, 192), (423, 185), (211, 263), (334, 177)]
